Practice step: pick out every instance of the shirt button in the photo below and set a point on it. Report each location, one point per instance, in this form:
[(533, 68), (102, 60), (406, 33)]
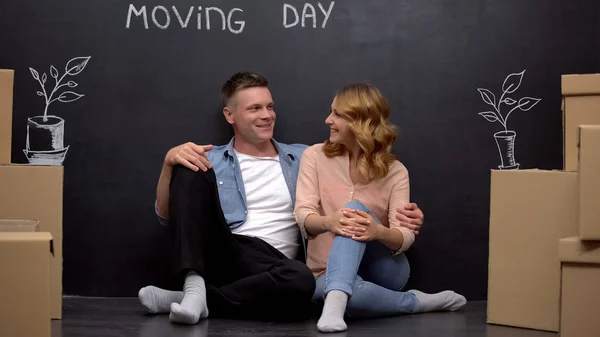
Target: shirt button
[(221, 182), (245, 212)]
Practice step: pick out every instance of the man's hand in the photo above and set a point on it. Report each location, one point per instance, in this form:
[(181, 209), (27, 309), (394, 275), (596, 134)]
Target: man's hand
[(189, 155), (411, 217)]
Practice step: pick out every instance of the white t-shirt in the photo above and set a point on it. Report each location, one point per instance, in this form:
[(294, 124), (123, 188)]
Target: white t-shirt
[(270, 210)]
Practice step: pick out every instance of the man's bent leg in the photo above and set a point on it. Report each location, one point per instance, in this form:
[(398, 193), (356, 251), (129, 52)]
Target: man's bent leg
[(201, 240), (201, 236)]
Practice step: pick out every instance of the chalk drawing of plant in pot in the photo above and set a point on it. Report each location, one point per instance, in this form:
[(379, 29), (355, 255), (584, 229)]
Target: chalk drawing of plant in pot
[(45, 133), (505, 139)]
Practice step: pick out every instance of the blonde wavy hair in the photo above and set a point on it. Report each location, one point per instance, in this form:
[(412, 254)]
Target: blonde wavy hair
[(367, 111)]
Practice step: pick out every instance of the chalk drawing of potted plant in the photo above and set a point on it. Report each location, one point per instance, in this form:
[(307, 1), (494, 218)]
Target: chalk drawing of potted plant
[(505, 139), (45, 133)]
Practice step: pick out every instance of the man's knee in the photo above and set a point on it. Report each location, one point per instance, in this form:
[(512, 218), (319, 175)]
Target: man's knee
[(183, 176), (299, 278)]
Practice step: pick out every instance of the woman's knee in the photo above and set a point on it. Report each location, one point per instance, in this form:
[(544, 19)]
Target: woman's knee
[(355, 204), (358, 205)]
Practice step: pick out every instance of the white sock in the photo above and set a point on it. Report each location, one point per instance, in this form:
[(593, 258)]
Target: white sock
[(157, 300), (193, 306), (332, 317), (443, 301)]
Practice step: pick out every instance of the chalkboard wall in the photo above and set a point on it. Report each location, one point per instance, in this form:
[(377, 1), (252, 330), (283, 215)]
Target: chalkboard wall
[(134, 79)]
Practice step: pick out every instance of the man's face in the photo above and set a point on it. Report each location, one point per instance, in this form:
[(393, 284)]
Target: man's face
[(250, 112)]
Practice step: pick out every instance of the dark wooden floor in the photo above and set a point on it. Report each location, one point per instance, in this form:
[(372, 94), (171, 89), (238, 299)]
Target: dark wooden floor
[(85, 317)]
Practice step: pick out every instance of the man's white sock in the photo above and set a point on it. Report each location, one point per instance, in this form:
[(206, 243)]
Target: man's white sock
[(193, 306), (157, 300)]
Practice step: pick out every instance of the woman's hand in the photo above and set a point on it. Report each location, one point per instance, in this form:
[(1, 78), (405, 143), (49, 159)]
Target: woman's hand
[(340, 223), (361, 226)]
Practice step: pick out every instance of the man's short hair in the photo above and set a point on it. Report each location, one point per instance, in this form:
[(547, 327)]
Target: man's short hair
[(240, 81)]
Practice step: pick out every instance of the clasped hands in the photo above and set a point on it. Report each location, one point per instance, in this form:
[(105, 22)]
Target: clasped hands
[(355, 224), (361, 226)]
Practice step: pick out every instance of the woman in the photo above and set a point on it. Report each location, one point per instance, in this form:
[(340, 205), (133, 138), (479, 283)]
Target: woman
[(347, 192)]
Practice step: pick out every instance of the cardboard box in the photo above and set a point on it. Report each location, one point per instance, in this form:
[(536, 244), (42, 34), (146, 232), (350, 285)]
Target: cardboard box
[(25, 284), (580, 294), (6, 106), (530, 210), (36, 192), (18, 225), (581, 105), (589, 182)]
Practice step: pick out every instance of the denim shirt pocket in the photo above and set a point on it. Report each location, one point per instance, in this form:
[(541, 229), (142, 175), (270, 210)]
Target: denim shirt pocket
[(229, 195)]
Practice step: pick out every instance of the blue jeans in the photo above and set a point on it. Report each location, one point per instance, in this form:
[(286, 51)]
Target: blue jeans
[(371, 276)]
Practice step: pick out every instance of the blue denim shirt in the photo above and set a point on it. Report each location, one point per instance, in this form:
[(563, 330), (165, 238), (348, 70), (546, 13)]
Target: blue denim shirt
[(231, 186)]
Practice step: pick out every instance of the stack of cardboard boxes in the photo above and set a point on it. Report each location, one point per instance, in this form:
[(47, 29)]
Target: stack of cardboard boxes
[(30, 235), (544, 253)]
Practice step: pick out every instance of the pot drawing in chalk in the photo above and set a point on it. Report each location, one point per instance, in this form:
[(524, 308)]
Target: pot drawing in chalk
[(505, 139), (45, 133)]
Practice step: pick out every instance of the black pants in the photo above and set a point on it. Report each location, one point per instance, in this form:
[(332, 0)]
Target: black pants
[(246, 277)]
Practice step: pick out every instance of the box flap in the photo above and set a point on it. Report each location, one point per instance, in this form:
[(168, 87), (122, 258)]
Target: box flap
[(25, 236), (13, 225), (28, 237), (592, 127), (572, 249), (580, 84)]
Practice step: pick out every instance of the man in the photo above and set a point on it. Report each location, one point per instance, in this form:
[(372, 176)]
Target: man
[(237, 245)]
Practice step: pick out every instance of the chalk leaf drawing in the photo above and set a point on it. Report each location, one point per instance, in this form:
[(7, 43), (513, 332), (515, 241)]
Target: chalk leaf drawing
[(505, 139), (45, 133)]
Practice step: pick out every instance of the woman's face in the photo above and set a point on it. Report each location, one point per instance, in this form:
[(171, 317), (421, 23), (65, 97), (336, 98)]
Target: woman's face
[(338, 127)]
